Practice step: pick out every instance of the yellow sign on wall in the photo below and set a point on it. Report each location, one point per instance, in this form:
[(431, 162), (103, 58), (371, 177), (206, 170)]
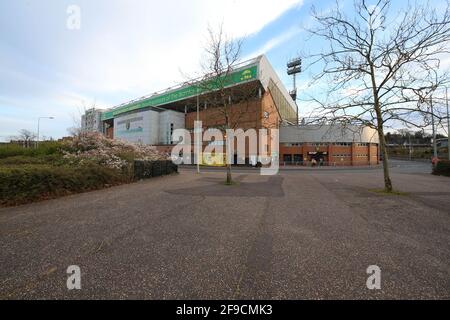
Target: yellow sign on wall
[(213, 159)]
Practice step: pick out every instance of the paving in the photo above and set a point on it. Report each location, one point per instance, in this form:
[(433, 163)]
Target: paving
[(302, 234)]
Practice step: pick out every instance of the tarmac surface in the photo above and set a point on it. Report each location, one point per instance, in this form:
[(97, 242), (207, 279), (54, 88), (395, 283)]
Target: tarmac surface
[(303, 234)]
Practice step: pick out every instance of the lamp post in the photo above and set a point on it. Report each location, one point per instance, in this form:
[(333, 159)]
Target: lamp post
[(198, 133), (434, 129), (409, 142), (39, 120), (448, 123)]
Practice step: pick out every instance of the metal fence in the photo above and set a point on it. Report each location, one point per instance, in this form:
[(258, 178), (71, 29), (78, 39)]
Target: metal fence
[(144, 169)]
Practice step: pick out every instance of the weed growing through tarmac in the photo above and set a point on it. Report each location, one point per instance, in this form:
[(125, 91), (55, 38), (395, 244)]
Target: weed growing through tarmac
[(392, 193)]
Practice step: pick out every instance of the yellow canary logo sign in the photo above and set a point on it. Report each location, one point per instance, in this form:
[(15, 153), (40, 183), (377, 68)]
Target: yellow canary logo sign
[(246, 75)]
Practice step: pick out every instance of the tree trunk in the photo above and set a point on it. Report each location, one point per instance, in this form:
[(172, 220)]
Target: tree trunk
[(229, 178), (227, 149), (387, 178), (377, 107)]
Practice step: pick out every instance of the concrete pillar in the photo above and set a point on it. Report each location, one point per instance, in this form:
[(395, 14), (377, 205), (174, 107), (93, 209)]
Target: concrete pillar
[(330, 152), (353, 154)]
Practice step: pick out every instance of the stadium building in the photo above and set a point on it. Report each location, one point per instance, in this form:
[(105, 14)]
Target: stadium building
[(257, 100), (328, 144)]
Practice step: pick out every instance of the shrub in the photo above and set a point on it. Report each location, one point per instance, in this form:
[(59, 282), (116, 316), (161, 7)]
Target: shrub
[(26, 183), (53, 159), (10, 150), (82, 163), (44, 148), (442, 168), (113, 153)]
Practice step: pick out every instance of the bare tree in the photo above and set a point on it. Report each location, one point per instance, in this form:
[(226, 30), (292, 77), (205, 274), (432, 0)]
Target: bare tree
[(381, 67), (26, 137), (222, 54), (76, 130)]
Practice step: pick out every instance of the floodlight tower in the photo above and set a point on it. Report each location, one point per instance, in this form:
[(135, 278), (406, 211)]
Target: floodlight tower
[(294, 66)]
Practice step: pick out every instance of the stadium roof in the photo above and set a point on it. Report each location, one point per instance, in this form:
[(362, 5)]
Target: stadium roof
[(257, 68)]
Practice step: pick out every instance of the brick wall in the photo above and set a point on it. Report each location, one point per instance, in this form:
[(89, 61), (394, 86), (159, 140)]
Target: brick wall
[(246, 115), (336, 155)]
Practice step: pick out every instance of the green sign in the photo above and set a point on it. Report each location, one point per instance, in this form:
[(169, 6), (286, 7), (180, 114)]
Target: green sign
[(107, 115), (243, 75)]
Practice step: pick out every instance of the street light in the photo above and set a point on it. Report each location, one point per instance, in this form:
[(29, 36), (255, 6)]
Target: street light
[(448, 123), (435, 154), (197, 134), (294, 67), (39, 120)]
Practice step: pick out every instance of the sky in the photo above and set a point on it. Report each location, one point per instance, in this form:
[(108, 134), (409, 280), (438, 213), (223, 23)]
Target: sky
[(123, 50)]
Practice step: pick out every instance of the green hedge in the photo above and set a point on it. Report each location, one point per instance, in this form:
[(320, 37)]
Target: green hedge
[(442, 168), (45, 148), (27, 183), (51, 159)]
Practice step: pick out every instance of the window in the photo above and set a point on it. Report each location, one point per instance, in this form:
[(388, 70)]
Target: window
[(342, 144), (341, 155), (298, 158), (287, 158), (293, 144)]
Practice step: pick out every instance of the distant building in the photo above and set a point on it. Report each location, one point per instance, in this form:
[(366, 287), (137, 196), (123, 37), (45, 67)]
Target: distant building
[(23, 143), (91, 120), (442, 143)]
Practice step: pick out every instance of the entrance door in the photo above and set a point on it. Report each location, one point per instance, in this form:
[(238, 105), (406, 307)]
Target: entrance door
[(298, 158), (287, 158)]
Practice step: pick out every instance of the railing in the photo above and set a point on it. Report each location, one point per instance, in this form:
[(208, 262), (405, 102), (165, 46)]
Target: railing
[(407, 158)]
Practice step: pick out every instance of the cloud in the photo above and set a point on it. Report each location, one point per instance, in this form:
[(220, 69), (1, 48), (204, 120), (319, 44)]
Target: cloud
[(275, 42), (244, 18), (139, 57), (121, 52), (445, 62), (10, 127)]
